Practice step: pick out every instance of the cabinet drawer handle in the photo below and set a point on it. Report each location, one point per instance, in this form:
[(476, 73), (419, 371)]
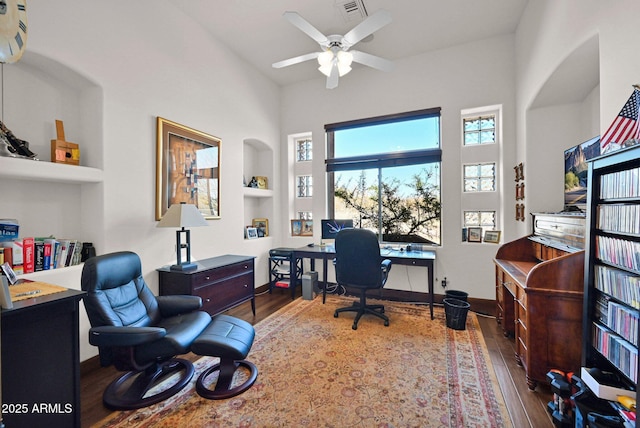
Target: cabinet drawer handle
[(207, 278), (246, 266), (246, 285), (207, 300)]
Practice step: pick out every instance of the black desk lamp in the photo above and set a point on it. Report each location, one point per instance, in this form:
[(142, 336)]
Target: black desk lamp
[(183, 215)]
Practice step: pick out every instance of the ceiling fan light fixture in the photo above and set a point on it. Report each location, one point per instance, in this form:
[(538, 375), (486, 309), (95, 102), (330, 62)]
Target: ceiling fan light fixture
[(345, 57), (325, 58), (326, 69)]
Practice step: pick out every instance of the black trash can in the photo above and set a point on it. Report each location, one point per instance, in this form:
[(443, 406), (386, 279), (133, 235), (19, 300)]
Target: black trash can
[(455, 294), (455, 312)]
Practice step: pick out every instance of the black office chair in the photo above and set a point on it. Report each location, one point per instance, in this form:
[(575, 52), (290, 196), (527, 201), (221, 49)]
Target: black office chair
[(359, 265), (138, 332)]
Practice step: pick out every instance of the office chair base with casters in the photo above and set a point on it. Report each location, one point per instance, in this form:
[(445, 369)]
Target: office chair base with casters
[(362, 308), (130, 390)]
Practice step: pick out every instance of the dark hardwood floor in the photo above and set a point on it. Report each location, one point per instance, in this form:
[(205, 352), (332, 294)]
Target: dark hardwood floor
[(526, 408)]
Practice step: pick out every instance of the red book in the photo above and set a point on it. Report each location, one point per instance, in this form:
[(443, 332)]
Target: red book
[(28, 255)]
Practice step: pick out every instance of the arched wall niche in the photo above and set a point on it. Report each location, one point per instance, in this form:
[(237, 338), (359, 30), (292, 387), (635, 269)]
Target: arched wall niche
[(564, 113)]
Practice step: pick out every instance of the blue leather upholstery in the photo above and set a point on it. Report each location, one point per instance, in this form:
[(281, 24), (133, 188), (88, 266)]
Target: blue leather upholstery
[(133, 329)]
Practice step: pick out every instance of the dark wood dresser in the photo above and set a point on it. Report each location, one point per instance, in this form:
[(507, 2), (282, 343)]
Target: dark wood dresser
[(41, 361), (539, 291), (222, 282)]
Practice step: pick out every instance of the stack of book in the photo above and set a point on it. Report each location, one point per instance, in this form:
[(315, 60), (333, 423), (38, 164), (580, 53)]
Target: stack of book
[(27, 255)]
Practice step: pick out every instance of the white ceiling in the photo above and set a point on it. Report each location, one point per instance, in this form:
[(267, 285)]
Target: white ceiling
[(256, 31)]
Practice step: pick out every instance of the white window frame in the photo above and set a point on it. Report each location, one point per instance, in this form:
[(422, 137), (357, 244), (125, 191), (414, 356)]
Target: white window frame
[(477, 154)]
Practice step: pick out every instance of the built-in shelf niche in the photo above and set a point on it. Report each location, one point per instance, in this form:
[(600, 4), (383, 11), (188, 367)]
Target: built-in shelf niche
[(49, 198), (258, 161)]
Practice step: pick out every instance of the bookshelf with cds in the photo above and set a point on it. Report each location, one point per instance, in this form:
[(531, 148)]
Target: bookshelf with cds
[(612, 265)]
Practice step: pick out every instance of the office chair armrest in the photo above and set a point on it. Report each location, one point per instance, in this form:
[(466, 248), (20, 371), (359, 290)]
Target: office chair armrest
[(178, 304), (111, 336), (386, 265)]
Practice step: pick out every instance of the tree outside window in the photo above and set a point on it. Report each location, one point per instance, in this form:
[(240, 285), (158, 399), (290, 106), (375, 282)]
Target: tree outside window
[(385, 175)]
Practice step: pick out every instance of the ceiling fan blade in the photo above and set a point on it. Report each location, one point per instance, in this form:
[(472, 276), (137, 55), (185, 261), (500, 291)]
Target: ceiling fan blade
[(295, 60), (372, 61), (306, 28), (367, 27), (332, 79)]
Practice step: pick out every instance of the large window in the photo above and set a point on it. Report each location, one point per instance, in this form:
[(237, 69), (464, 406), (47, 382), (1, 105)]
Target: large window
[(384, 173)]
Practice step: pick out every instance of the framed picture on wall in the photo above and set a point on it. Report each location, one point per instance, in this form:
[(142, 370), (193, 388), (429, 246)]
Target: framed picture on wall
[(187, 169)]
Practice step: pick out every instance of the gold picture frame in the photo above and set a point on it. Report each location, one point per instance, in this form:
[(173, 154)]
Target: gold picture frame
[(262, 224), (307, 228), (187, 169), (492, 236)]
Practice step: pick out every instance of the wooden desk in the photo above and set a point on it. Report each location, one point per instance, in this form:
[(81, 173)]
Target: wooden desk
[(222, 282), (406, 258), (41, 361), (539, 290)]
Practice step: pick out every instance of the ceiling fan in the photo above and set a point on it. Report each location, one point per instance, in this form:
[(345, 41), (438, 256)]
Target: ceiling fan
[(336, 57)]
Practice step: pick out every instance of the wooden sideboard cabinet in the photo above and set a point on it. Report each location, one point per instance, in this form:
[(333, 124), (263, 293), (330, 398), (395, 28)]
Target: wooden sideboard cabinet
[(222, 282), (539, 295)]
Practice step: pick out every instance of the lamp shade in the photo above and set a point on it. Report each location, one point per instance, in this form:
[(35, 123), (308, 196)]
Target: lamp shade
[(182, 215)]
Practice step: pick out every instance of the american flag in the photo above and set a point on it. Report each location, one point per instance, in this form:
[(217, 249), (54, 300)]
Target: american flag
[(626, 124)]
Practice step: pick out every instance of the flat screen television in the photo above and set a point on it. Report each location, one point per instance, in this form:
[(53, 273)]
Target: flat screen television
[(331, 227), (575, 173)]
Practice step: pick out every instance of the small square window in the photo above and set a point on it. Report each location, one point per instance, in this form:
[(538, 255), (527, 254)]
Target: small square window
[(305, 186), (479, 130), (304, 149), (479, 177), (305, 215)]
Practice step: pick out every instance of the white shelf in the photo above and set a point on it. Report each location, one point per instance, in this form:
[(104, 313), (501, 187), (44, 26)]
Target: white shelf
[(252, 192), (27, 169)]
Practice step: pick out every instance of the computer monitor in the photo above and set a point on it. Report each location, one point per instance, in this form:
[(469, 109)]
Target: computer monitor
[(331, 227)]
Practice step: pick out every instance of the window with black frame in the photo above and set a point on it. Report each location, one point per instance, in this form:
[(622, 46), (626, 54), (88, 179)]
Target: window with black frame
[(384, 173)]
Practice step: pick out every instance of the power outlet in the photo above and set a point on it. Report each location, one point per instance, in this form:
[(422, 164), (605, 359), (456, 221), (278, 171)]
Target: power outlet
[(444, 282)]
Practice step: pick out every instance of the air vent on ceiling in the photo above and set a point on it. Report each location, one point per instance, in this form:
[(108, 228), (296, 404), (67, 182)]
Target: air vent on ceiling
[(352, 10)]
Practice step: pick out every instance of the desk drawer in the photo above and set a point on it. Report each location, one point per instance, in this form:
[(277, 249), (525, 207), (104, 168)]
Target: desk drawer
[(211, 276), (220, 296)]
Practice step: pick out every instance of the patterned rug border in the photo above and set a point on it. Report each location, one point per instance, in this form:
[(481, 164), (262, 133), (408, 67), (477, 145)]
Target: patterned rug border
[(491, 391)]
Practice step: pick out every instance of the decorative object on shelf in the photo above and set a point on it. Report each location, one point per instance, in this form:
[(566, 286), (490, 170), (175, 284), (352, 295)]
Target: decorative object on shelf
[(187, 169), (183, 215), (296, 227), (253, 183), (475, 234), (13, 30), (12, 146), (64, 151), (262, 224), (263, 182), (625, 130), (307, 228), (492, 236), (252, 233)]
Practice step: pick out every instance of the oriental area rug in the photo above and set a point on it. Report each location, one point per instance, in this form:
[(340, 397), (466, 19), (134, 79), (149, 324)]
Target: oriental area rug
[(315, 371)]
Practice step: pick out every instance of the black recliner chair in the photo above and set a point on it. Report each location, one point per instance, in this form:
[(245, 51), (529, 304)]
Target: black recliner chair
[(359, 265), (138, 332)]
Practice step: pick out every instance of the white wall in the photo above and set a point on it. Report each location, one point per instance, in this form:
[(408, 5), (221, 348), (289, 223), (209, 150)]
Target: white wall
[(443, 79), (548, 34), (152, 61)]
